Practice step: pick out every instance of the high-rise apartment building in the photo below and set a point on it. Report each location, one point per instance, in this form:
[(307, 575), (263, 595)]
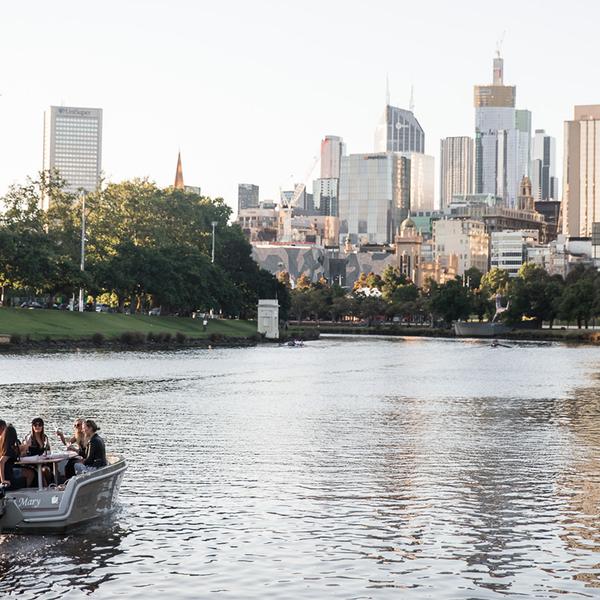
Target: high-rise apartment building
[(247, 196), (456, 168), (502, 139), (332, 150), (581, 172), (73, 145), (543, 167), (374, 196), (326, 196), (399, 131)]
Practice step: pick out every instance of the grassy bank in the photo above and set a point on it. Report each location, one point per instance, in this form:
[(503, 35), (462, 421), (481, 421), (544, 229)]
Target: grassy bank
[(55, 324)]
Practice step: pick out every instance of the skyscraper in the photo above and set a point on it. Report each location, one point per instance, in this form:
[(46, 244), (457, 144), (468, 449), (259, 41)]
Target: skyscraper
[(332, 150), (422, 181), (581, 175), (399, 131), (73, 145), (247, 196), (543, 167), (456, 168), (502, 138)]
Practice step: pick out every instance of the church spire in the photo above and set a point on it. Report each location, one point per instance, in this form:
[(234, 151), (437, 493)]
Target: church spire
[(178, 185)]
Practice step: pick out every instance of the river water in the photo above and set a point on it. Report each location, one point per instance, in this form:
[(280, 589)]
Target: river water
[(350, 468)]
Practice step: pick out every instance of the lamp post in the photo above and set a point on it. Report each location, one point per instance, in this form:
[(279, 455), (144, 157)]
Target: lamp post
[(82, 264), (214, 224)]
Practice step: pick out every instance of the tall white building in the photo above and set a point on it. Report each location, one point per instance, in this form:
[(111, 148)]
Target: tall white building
[(422, 177), (332, 150), (510, 249), (543, 167), (456, 168), (581, 174), (502, 139), (73, 145)]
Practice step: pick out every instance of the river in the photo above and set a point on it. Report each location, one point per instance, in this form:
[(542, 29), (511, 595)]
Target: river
[(350, 468)]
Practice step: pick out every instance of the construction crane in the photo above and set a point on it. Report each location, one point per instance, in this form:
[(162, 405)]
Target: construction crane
[(300, 187)]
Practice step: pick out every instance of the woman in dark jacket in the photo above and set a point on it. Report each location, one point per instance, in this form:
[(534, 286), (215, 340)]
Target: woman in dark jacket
[(95, 455), (10, 475)]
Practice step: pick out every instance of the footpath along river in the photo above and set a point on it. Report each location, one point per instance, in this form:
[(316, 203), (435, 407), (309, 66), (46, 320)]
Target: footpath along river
[(350, 468)]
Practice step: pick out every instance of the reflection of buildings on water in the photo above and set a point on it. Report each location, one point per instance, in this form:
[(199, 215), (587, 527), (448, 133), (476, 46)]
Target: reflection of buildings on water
[(578, 483)]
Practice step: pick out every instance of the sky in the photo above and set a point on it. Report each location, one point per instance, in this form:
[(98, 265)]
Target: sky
[(247, 90)]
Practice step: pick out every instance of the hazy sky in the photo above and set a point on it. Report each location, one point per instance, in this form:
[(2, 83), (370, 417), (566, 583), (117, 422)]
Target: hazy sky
[(247, 89)]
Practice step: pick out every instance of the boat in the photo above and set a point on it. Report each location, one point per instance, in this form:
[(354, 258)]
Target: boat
[(476, 329), (54, 509)]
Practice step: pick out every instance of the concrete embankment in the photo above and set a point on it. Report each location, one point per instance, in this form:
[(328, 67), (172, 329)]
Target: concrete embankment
[(575, 336)]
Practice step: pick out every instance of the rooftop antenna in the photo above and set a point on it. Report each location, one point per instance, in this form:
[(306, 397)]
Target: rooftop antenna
[(387, 90), (499, 44), (411, 104)]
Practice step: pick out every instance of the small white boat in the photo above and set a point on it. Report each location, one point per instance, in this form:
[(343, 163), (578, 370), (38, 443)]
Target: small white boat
[(55, 508)]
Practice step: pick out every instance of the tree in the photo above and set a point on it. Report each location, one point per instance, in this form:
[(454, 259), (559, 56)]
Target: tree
[(450, 301), (494, 281)]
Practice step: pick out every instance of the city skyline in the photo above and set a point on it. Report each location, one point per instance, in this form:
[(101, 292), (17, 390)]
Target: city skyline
[(145, 121)]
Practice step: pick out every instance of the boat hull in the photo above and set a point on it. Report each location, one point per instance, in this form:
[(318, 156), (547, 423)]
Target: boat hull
[(84, 498), (475, 329)]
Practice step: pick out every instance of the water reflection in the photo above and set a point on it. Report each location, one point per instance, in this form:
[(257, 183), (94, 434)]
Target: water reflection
[(345, 469)]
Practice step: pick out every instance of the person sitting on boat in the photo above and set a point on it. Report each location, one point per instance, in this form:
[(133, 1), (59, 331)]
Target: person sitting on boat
[(76, 442), (37, 443), (10, 451), (95, 454)]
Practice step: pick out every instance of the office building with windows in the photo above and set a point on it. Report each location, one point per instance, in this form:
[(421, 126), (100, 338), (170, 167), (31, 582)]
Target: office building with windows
[(422, 181), (456, 168), (399, 131), (247, 196), (581, 172), (73, 146), (543, 167), (509, 249), (332, 150), (326, 196), (502, 139), (374, 197)]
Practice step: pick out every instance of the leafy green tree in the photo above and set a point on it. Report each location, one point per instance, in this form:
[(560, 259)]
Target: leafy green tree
[(495, 280), (449, 301)]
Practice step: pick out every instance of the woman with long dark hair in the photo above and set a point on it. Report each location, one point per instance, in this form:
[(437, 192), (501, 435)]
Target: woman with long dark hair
[(95, 455), (12, 476), (37, 441)]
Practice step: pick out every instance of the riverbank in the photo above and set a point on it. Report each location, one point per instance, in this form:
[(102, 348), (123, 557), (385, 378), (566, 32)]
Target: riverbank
[(24, 329), (574, 336)]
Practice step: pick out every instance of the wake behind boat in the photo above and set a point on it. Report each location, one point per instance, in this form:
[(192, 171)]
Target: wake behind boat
[(82, 498)]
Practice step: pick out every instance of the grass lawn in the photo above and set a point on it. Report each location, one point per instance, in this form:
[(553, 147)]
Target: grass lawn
[(57, 324)]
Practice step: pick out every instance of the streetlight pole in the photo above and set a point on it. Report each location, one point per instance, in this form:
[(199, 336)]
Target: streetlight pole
[(82, 265), (214, 224)]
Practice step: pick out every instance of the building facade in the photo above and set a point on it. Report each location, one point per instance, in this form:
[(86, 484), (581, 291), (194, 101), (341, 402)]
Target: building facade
[(502, 139), (465, 239), (399, 131), (247, 196), (374, 197), (509, 249), (456, 168), (581, 172), (326, 196), (422, 178), (73, 146), (543, 167), (332, 150)]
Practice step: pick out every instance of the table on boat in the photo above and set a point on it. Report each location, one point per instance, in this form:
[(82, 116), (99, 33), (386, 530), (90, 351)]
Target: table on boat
[(52, 458)]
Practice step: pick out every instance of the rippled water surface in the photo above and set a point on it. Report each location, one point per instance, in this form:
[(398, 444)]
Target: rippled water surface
[(351, 468)]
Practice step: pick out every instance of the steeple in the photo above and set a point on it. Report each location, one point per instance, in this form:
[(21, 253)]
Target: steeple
[(178, 185)]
